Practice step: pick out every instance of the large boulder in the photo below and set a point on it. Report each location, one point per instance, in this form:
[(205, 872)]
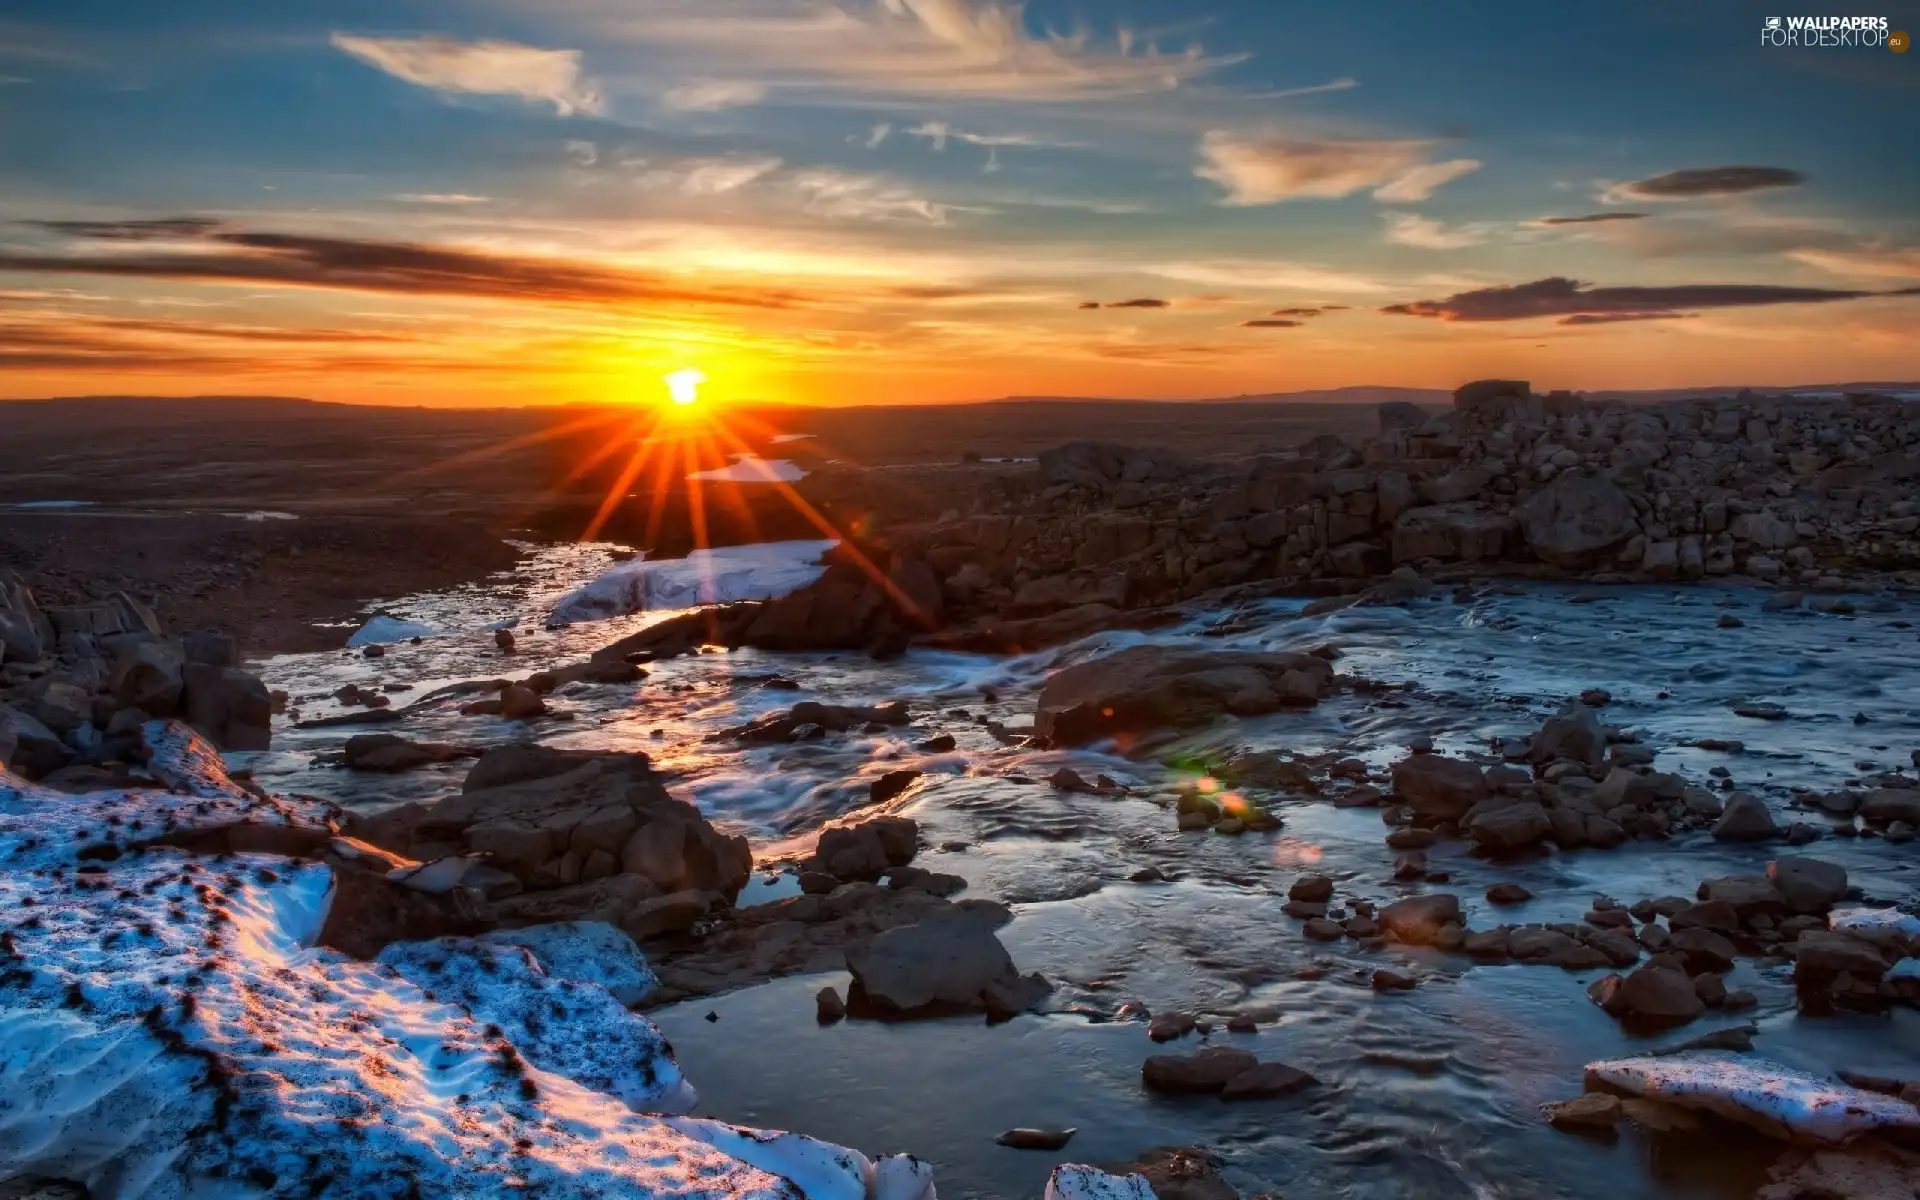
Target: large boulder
[(1572, 733), (1746, 818), (1652, 997), (950, 960), (1809, 885), (1578, 520), (1145, 688), (148, 676), (868, 850), (1509, 826), (388, 753), (230, 707), (1434, 785), (1451, 532), (607, 815), (1102, 465), (27, 747)]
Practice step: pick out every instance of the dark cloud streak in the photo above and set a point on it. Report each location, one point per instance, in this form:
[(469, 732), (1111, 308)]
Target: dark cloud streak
[(1559, 296), (1594, 218), (1696, 182), (407, 268)]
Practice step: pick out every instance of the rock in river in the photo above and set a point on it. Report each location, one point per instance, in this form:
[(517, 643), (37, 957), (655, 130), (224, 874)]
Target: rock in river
[(1164, 687), (1437, 786), (950, 960)]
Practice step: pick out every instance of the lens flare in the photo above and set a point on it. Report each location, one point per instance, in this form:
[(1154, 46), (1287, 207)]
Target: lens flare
[(683, 387)]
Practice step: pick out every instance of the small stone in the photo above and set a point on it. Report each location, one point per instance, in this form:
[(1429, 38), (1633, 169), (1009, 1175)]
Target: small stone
[(1169, 1026), (1036, 1139), (1322, 930), (1593, 1111), (829, 1006), (1266, 1081), (1312, 888), (1393, 981), (1508, 893), (1729, 621)]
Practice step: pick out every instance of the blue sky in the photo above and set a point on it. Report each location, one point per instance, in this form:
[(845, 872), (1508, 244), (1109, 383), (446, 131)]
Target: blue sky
[(897, 200)]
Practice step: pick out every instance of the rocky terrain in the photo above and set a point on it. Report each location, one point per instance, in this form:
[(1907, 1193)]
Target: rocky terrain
[(1799, 493)]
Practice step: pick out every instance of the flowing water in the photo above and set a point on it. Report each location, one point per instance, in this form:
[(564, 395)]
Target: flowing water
[(1431, 1093)]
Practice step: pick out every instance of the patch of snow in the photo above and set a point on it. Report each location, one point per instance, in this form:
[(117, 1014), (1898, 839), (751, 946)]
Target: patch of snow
[(820, 1170), (586, 952), (751, 468), (561, 1025), (42, 504), (379, 631), (1874, 924), (780, 438), (1077, 1181), (760, 571), (1779, 1101), (902, 1177), (263, 514)]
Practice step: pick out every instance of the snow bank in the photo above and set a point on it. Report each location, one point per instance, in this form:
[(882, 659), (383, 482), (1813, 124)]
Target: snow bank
[(586, 952), (1874, 924), (1777, 1100), (760, 571), (168, 1030), (560, 1025), (379, 631), (1076, 1181), (751, 468)]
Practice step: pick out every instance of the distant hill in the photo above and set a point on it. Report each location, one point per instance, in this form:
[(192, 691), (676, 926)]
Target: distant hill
[(1374, 394)]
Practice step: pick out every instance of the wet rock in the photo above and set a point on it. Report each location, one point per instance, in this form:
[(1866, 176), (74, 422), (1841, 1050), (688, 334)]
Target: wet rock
[(149, 676), (1266, 1081), (1160, 687), (1066, 779), (1036, 1139), (1745, 819), (1884, 806), (1593, 1112), (1750, 895), (1820, 955), (1509, 827), (1654, 995), (951, 960), (1410, 838), (890, 785), (1170, 1173), (1808, 885), (1703, 949), (1574, 733), (1320, 929), (1658, 1117), (1436, 786), (388, 753), (938, 744), (1393, 981), (1419, 920), (1508, 893), (1314, 889), (1201, 1073), (1169, 1026), (1537, 942), (1488, 945), (868, 850), (519, 702), (828, 1007)]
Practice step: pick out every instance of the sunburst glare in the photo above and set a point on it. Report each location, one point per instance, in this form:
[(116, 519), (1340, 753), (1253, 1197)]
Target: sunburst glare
[(683, 386)]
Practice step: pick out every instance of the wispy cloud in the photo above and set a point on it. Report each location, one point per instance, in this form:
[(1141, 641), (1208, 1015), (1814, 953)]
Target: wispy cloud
[(712, 95), (845, 195), (878, 134), (144, 230), (443, 198), (1341, 84), (1269, 274), (939, 132), (1268, 168), (1423, 181), (1697, 183), (908, 48), (1559, 296), (1411, 229), (482, 68), (709, 176), (1271, 323), (1887, 263)]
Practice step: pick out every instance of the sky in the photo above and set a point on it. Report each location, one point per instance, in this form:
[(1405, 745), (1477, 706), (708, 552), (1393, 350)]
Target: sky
[(910, 201)]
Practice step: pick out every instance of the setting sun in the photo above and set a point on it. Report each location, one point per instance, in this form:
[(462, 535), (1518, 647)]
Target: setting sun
[(684, 386)]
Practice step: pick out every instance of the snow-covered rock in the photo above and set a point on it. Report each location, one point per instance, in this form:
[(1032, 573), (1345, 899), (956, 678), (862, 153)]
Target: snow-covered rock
[(761, 571), (379, 631), (1779, 1101), (1874, 924), (168, 1029), (1076, 1181)]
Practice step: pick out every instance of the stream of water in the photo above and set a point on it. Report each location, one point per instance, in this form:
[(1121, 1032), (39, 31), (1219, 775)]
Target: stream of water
[(1431, 1093)]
